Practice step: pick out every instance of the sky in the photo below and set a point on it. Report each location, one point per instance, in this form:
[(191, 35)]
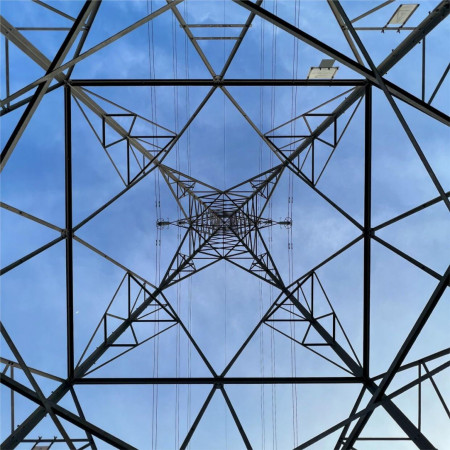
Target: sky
[(221, 304)]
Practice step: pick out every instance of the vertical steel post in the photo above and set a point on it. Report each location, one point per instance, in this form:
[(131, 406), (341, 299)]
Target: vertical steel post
[(419, 398), (69, 231), (367, 228), (128, 162), (13, 426), (423, 69), (7, 67)]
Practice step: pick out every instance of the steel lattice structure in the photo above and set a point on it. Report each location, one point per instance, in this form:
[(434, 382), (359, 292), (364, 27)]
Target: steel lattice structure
[(224, 225)]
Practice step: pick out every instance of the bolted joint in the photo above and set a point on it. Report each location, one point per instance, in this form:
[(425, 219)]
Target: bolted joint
[(67, 233)]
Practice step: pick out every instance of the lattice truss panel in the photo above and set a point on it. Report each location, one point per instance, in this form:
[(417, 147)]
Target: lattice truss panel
[(225, 224)]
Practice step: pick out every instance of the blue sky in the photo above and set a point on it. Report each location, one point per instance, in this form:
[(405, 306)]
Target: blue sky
[(222, 304)]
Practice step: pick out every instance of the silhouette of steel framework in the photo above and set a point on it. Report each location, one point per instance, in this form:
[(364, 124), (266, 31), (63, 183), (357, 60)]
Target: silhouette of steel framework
[(224, 225)]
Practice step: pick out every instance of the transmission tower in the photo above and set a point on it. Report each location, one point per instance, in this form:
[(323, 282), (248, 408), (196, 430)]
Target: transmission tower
[(306, 330)]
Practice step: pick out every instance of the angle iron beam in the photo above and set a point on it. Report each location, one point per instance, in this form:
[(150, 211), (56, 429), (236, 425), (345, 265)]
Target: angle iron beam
[(367, 229), (441, 9), (394, 106), (69, 230), (33, 419), (438, 86), (367, 13), (220, 380), (393, 410), (353, 411), (30, 217), (191, 37), (409, 212), (418, 362), (30, 50), (427, 25), (408, 258), (197, 420), (42, 88), (10, 363), (30, 255), (8, 108), (236, 418), (113, 261), (40, 395), (84, 36), (364, 411), (398, 360), (8, 30), (216, 82), (438, 392), (55, 10), (82, 417), (347, 36), (64, 414)]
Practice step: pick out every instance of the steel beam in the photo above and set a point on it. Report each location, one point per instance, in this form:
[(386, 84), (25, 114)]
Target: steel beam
[(354, 368), (398, 360), (7, 108), (194, 426), (30, 217), (367, 13), (362, 375), (347, 36), (7, 29), (55, 10), (418, 362), (30, 255), (236, 418), (15, 438), (69, 230), (367, 229), (396, 109), (371, 408), (427, 25), (220, 380), (421, 207), (29, 49), (10, 363), (258, 82), (82, 417), (65, 414), (38, 392), (441, 11), (86, 10), (438, 86), (438, 392)]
